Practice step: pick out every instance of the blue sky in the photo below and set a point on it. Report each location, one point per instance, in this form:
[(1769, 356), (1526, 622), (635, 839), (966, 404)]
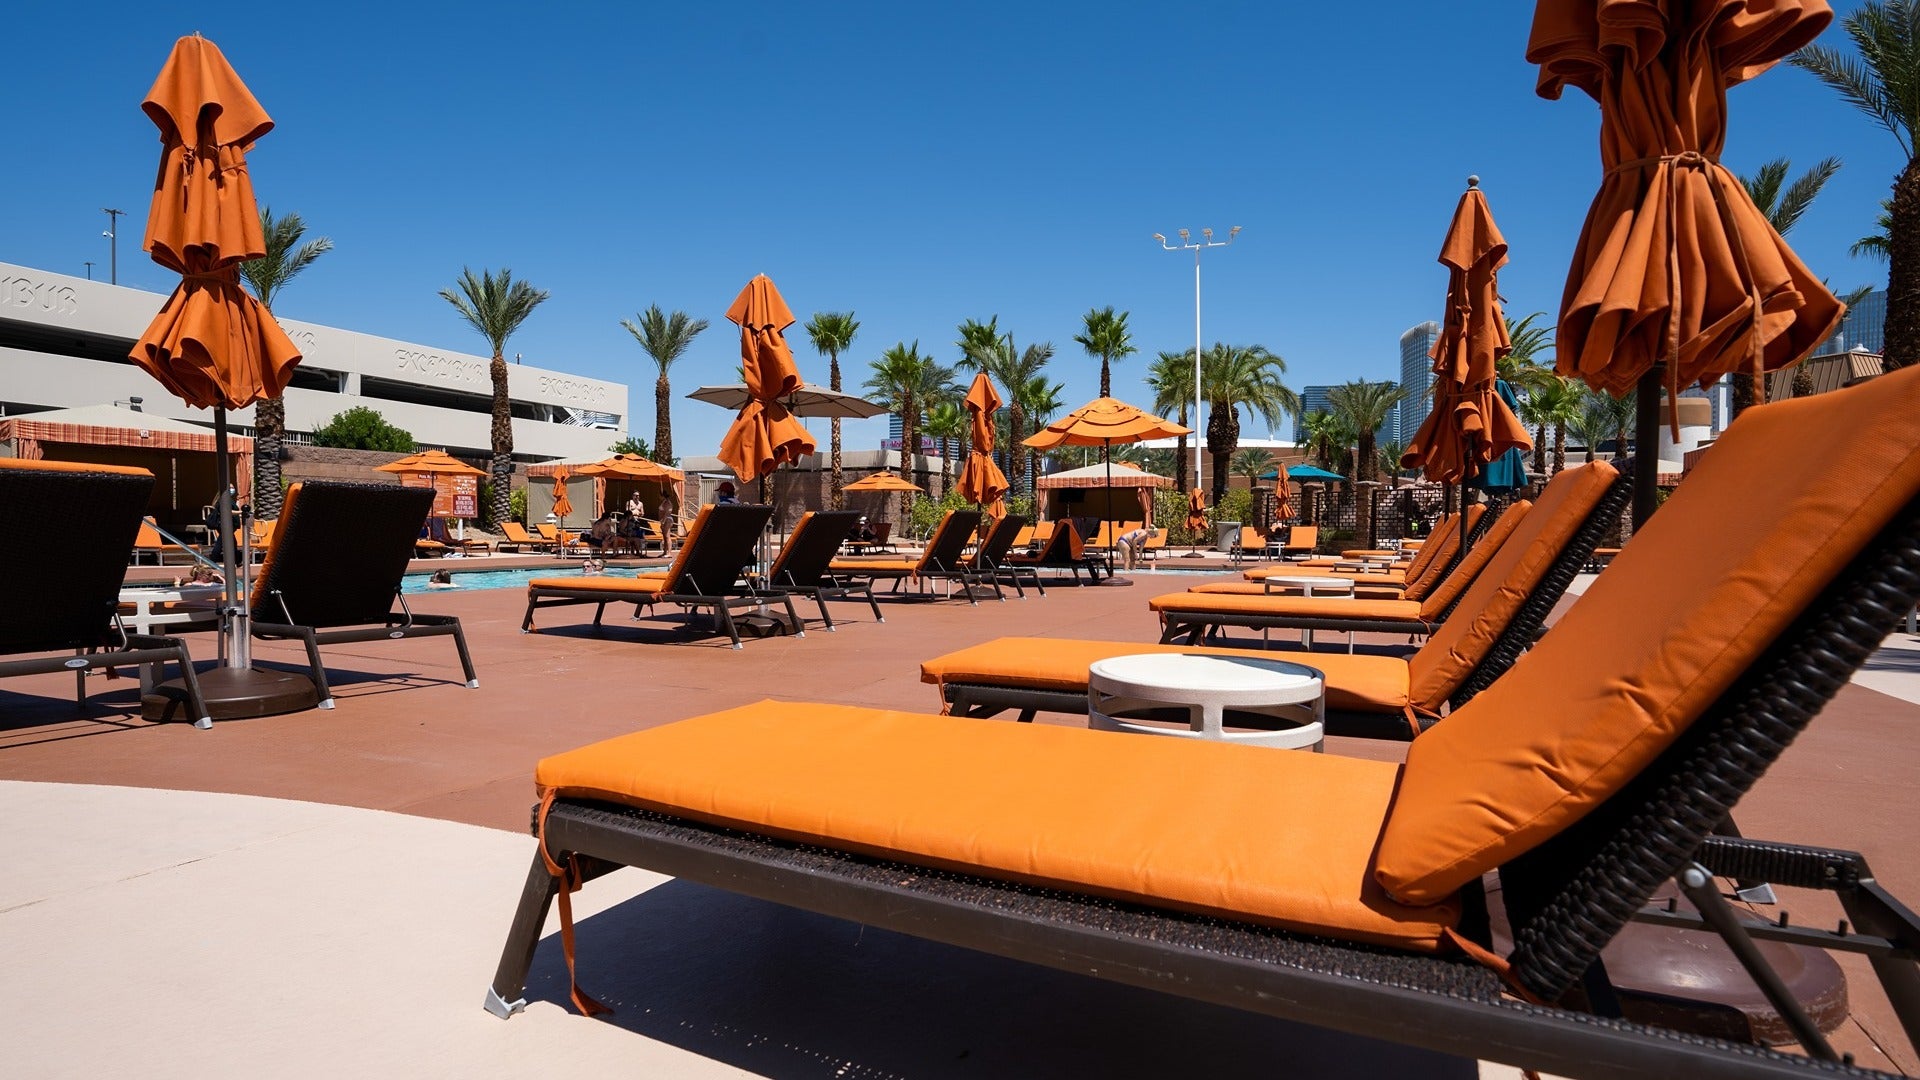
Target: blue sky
[(918, 164)]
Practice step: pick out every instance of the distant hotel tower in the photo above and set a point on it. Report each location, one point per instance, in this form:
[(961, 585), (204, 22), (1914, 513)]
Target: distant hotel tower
[(1416, 374)]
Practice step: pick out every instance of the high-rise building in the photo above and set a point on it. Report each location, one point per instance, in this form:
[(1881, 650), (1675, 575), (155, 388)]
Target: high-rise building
[(1416, 374), (1315, 399), (1865, 324)]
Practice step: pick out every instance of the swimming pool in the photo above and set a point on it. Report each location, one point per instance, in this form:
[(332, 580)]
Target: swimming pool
[(471, 580)]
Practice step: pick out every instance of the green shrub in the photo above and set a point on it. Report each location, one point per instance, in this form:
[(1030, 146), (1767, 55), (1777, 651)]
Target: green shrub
[(362, 428), (517, 505)]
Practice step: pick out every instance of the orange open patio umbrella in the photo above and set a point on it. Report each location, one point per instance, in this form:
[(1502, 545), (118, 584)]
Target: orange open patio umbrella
[(883, 481), (212, 344), (1677, 277), (981, 480), (765, 433), (1103, 422), (1469, 424), (438, 462)]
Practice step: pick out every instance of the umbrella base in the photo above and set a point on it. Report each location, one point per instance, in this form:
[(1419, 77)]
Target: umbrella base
[(233, 694), (1114, 581), (767, 624)]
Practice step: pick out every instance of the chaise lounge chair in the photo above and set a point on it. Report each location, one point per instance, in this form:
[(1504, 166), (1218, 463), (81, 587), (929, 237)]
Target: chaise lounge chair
[(1341, 892), (990, 560), (442, 533), (519, 540), (332, 574), (1574, 511), (72, 610), (942, 558), (1418, 580), (801, 566), (1063, 550), (719, 548)]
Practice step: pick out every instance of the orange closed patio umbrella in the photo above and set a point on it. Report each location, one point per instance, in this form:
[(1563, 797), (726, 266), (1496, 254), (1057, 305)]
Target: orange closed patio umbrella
[(212, 344), (1677, 277), (1196, 510), (765, 433), (1469, 424), (981, 480), (1283, 491), (562, 506)]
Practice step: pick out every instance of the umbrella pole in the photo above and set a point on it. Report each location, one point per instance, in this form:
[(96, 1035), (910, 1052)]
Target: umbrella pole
[(1646, 438), (239, 647)]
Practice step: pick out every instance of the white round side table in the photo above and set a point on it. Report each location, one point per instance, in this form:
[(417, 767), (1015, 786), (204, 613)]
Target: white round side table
[(1210, 689), (1310, 585)]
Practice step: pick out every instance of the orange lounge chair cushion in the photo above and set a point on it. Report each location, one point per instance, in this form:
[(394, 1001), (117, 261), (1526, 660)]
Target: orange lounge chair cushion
[(1790, 494), (42, 465), (1516, 570), (874, 566), (1443, 591), (1271, 837), (1376, 590), (1283, 607), (1354, 683), (644, 583)]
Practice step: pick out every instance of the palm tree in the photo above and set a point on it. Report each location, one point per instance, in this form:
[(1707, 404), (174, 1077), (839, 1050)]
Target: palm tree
[(1170, 377), (832, 333), (1607, 416), (1389, 455), (1365, 406), (1039, 402), (1556, 405), (1013, 368), (495, 305), (947, 423), (907, 382), (1883, 81), (1327, 438), (1593, 424), (1526, 367), (1875, 244), (1781, 204), (1251, 462), (1240, 377), (285, 257), (665, 338), (1107, 337)]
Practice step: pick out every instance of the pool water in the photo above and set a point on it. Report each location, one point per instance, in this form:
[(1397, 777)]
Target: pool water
[(471, 580)]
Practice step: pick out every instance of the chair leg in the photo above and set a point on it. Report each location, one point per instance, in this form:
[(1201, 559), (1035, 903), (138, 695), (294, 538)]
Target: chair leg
[(318, 669), (526, 624), (466, 659), (523, 937), (874, 604), (726, 621), (202, 717), (824, 617), (800, 628)]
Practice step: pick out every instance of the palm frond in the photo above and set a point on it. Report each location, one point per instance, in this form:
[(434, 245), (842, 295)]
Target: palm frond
[(1801, 193)]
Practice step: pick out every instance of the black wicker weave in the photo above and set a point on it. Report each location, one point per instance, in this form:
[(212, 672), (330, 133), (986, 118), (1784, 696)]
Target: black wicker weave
[(72, 605), (1570, 896)]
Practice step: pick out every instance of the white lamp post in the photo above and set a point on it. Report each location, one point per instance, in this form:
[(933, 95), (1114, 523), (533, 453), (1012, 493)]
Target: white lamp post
[(1187, 243)]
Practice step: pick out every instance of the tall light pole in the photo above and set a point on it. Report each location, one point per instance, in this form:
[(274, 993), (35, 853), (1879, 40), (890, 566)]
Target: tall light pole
[(1187, 243), (113, 242)]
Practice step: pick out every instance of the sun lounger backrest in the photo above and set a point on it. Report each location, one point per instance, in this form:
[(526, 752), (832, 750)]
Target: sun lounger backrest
[(69, 602), (1449, 587), (949, 540), (718, 547), (1703, 614), (1446, 547), (804, 559), (993, 550), (339, 553), (1424, 554), (516, 533), (1303, 536)]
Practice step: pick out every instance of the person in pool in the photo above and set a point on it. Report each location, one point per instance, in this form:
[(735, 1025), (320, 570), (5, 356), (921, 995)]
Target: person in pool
[(441, 579)]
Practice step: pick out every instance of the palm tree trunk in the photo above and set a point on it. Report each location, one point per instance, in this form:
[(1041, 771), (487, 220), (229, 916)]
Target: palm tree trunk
[(662, 418), (1559, 447), (269, 433), (836, 484), (1221, 438), (909, 442), (1742, 394), (1017, 417), (1802, 381), (1540, 450), (1363, 507), (499, 505), (1180, 458), (1903, 271)]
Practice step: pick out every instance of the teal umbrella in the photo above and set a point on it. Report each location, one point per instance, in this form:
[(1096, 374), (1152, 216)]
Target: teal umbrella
[(1309, 472), (1508, 472)]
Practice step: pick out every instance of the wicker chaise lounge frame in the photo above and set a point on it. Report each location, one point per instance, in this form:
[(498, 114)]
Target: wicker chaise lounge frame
[(942, 560), (1050, 557), (989, 699), (332, 576), (989, 564), (76, 609), (1565, 900), (801, 569), (713, 562), (1190, 627)]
